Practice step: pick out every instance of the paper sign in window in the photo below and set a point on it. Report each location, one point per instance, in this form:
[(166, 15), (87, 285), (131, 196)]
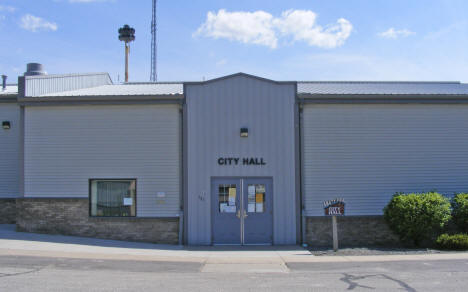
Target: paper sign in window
[(222, 207), (251, 199), (230, 209), (260, 188), (232, 196), (259, 208), (127, 201), (259, 200)]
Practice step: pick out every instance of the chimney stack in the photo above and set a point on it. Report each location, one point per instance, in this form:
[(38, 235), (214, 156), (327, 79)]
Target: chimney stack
[(34, 69), (4, 78)]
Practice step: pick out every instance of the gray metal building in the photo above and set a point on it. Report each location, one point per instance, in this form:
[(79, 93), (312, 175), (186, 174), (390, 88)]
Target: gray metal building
[(234, 160)]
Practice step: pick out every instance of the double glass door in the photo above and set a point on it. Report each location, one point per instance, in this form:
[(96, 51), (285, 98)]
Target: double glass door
[(242, 211)]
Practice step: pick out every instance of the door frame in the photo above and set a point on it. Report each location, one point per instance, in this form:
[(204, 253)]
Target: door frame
[(241, 186)]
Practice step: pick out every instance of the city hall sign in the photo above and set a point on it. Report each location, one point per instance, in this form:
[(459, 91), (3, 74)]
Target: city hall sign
[(241, 161)]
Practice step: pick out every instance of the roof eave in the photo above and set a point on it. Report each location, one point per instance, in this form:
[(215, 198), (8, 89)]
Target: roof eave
[(103, 99), (382, 98)]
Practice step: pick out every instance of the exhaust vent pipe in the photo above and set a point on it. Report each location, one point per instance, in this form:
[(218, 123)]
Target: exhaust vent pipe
[(34, 69), (4, 78)]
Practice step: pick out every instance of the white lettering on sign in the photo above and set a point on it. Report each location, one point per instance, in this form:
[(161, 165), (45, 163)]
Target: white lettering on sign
[(334, 211), (335, 207)]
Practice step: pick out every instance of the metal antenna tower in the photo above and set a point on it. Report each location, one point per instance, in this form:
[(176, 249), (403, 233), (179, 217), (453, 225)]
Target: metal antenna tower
[(154, 52)]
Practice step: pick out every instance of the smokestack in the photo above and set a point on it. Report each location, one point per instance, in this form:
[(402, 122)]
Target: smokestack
[(4, 78), (33, 69)]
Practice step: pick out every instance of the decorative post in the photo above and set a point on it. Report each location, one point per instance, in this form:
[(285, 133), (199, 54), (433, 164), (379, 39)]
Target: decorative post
[(333, 208), (127, 35)]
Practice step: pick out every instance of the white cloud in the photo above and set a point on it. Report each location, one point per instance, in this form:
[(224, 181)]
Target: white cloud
[(34, 24), (246, 27), (262, 28), (301, 25), (88, 1), (392, 33), (221, 62), (9, 9)]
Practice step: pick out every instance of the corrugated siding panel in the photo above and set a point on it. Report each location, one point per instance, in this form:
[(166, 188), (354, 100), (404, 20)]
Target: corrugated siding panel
[(216, 111), (9, 151), (126, 89), (41, 85), (366, 153), (66, 146)]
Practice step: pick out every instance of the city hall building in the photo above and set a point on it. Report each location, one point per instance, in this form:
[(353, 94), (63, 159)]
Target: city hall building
[(235, 160)]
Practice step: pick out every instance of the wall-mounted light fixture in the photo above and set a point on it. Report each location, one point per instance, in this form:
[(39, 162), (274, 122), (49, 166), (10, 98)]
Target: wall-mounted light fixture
[(6, 125), (244, 132)]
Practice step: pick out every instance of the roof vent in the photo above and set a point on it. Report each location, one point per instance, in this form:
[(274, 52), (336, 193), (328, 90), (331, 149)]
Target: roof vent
[(34, 69), (4, 78)]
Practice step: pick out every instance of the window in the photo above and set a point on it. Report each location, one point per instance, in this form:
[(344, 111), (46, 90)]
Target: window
[(256, 198), (227, 198), (112, 197)]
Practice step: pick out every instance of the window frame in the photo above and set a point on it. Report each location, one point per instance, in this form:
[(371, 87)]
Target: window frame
[(111, 179)]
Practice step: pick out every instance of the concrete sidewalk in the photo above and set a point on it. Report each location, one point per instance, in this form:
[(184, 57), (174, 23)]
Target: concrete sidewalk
[(14, 243)]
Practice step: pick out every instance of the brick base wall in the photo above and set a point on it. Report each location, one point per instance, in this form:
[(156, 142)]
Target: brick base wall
[(7, 211), (352, 231), (71, 217)]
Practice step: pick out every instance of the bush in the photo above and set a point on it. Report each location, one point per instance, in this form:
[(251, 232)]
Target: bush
[(417, 217), (460, 211), (454, 242)]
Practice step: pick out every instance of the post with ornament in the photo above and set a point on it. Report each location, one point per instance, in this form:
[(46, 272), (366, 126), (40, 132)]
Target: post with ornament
[(334, 208), (127, 35)]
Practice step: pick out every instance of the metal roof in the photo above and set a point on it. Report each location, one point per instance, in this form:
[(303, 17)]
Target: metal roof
[(381, 88), (125, 90), (10, 90)]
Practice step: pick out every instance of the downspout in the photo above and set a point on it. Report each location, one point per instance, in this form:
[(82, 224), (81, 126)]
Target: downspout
[(182, 172), (301, 150)]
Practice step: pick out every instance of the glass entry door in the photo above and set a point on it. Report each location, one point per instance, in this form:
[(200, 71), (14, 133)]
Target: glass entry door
[(242, 211)]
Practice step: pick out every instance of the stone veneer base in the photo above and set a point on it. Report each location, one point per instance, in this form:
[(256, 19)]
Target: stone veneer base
[(353, 231), (7, 211), (71, 217)]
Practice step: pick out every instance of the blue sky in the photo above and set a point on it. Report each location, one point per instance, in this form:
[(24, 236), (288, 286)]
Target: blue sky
[(283, 40)]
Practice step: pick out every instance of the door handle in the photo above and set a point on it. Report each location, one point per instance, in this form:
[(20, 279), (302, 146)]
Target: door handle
[(238, 214), (245, 214)]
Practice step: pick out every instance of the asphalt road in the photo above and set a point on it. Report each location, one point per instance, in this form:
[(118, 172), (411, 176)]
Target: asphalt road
[(24, 273)]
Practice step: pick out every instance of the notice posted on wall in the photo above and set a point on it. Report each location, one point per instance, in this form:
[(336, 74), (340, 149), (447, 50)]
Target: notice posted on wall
[(127, 201)]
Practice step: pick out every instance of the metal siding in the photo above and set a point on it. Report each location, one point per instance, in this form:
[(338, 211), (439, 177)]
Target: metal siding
[(366, 153), (216, 111), (125, 89), (66, 146), (41, 85), (9, 151)]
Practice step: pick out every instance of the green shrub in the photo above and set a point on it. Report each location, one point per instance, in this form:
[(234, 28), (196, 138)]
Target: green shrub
[(460, 211), (417, 217), (454, 242)]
